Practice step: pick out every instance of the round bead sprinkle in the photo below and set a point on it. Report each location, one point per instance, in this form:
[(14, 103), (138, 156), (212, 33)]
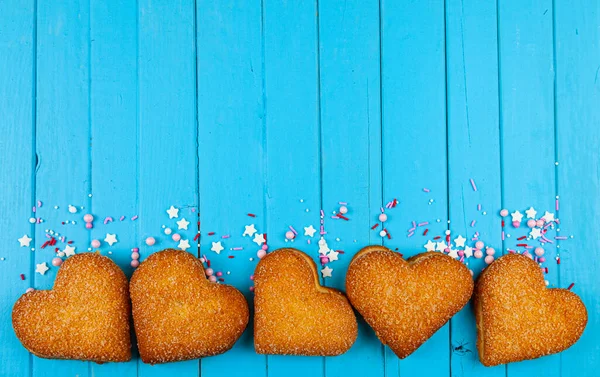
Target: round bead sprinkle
[(382, 233), (135, 255), (343, 210), (176, 237), (490, 251), (261, 253), (56, 262), (212, 279), (478, 254), (479, 245), (289, 235), (88, 218), (168, 231), (265, 247), (539, 252), (135, 263), (383, 217), (489, 259), (89, 225), (209, 271), (531, 223), (516, 224), (504, 213), (150, 241), (95, 243)]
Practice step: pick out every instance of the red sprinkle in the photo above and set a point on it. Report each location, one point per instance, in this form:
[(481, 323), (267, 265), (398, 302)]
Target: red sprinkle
[(197, 236), (23, 277), (221, 279), (557, 260), (251, 215), (425, 232), (522, 245), (437, 237), (231, 256), (387, 234), (570, 286), (211, 233), (340, 251), (342, 217), (208, 263), (375, 226), (503, 223), (521, 238)]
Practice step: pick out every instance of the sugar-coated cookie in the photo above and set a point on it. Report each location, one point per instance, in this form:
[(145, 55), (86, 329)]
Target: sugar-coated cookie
[(406, 301), (84, 317), (178, 314), (518, 318), (294, 314)]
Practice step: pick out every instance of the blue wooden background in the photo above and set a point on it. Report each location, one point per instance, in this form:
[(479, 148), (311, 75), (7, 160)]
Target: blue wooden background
[(236, 107)]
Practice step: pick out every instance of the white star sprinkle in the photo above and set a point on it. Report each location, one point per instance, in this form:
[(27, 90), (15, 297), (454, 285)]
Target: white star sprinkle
[(69, 250), (41, 268), (517, 216), (173, 212), (184, 245), (535, 233), (249, 230), (182, 224), (309, 231), (460, 241), (217, 247), (531, 213), (429, 246), (441, 246), (111, 239), (468, 251), (332, 255), (25, 240), (259, 239), (453, 253), (549, 217), (326, 272)]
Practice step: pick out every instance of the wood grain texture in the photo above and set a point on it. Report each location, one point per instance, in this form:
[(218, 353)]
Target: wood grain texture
[(228, 108)]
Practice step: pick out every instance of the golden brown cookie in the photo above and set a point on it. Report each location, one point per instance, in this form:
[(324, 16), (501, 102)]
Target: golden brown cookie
[(294, 314), (84, 317), (518, 318), (406, 301), (178, 314)]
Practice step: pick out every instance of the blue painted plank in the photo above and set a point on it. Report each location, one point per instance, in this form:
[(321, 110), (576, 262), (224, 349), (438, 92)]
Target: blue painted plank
[(292, 141), (230, 146), (17, 126), (62, 141), (473, 153), (578, 136), (414, 146), (350, 119), (167, 134), (113, 106), (527, 124)]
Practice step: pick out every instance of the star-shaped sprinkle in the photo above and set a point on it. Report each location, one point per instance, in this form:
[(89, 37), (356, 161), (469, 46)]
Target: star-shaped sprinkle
[(517, 216), (309, 231), (535, 233), (25, 240), (173, 212), (111, 239), (332, 255), (183, 224), (460, 241), (531, 213), (429, 246), (41, 268), (184, 245), (453, 253), (549, 217), (249, 230), (217, 247), (69, 250), (326, 272), (259, 239), (441, 246), (468, 251)]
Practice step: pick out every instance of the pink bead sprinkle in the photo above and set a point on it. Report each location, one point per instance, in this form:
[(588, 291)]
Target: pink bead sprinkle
[(219, 274), (95, 244), (251, 289), (539, 223), (251, 277), (504, 213), (89, 225), (490, 251), (136, 249), (516, 224), (88, 218), (343, 210), (383, 217), (265, 247), (489, 259), (212, 279), (478, 254), (209, 271), (479, 245), (135, 255), (56, 262), (531, 223), (150, 241), (176, 237), (261, 254), (135, 263), (542, 260), (289, 235), (539, 251), (29, 290)]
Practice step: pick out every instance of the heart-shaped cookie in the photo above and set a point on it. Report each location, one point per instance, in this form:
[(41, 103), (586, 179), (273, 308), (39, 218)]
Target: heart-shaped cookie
[(406, 301), (178, 314), (518, 318), (84, 317), (294, 314)]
